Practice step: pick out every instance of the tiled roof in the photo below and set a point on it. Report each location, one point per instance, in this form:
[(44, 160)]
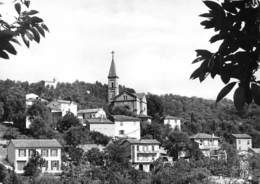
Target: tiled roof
[(35, 143), (99, 121), (203, 136), (143, 141), (125, 118), (140, 95), (171, 117), (242, 136), (89, 110)]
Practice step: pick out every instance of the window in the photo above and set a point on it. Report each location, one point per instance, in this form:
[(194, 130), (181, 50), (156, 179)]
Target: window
[(31, 152), (112, 85), (45, 165), (125, 97), (45, 152), (121, 123), (137, 148), (22, 153), (54, 152), (121, 132), (248, 142), (239, 141), (152, 147), (54, 165), (20, 165)]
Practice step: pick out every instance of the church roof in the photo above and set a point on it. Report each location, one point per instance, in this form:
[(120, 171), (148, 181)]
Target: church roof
[(125, 118), (112, 70)]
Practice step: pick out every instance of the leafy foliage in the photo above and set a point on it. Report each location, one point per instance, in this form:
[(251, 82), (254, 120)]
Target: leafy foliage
[(237, 58), (68, 121), (27, 26), (33, 167)]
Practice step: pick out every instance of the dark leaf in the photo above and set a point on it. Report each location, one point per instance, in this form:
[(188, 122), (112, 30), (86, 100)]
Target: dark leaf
[(18, 7), (27, 3), (198, 59), (6, 35), (225, 77), (10, 48), (212, 5), (26, 42), (196, 73), (35, 35), (239, 98), (32, 12), (29, 35), (4, 55), (204, 53), (225, 91), (216, 37), (15, 41), (208, 15), (41, 31), (45, 27), (36, 20)]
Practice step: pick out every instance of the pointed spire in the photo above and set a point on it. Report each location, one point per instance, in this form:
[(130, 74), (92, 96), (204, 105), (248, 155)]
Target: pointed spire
[(112, 70)]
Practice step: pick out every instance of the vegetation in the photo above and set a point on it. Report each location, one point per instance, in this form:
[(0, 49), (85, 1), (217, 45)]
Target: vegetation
[(236, 60)]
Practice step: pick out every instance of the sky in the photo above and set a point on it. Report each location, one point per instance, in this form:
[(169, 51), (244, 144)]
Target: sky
[(154, 43)]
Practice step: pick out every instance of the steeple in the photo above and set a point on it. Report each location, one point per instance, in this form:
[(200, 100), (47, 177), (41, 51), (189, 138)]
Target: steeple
[(113, 87), (112, 70)]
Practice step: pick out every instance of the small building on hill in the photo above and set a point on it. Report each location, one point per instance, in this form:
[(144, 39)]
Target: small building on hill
[(19, 151), (101, 125), (208, 144), (84, 114), (173, 122), (60, 108), (142, 153), (242, 142), (127, 127)]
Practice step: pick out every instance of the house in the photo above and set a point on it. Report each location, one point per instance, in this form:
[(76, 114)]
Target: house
[(19, 152), (173, 122), (50, 84), (135, 102), (101, 125), (142, 153), (207, 143), (84, 114), (242, 142), (60, 108), (127, 127)]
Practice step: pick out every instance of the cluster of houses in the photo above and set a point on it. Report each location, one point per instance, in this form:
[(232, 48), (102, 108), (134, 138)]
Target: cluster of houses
[(126, 129)]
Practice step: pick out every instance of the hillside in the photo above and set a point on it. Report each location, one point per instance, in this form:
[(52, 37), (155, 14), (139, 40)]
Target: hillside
[(198, 115)]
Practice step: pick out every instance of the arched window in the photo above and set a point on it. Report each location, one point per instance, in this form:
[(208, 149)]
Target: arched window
[(112, 84)]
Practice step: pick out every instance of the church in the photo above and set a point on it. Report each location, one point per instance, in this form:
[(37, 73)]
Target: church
[(136, 102)]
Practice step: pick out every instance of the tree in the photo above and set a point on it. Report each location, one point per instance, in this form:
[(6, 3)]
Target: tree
[(26, 25), (34, 165), (77, 135), (3, 173), (99, 138), (68, 121), (40, 129), (237, 58), (95, 157), (154, 106)]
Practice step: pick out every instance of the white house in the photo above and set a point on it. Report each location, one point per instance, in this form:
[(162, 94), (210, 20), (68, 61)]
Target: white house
[(84, 114), (50, 84), (19, 152), (101, 125), (142, 153), (173, 122), (243, 142), (208, 144), (126, 126), (60, 108)]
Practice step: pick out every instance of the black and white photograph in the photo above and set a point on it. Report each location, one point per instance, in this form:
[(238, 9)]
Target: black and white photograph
[(130, 92)]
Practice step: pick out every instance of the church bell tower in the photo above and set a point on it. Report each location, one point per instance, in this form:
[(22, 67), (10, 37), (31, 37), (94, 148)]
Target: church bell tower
[(113, 87)]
